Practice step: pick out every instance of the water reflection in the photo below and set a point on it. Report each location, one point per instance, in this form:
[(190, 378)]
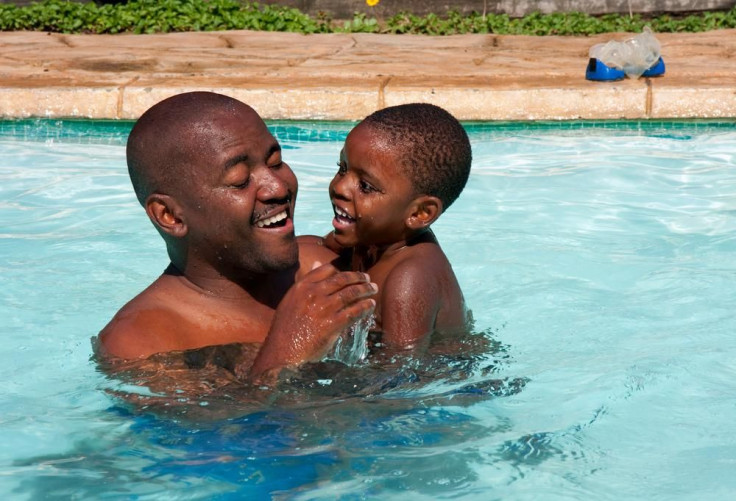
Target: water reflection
[(193, 426), (207, 383)]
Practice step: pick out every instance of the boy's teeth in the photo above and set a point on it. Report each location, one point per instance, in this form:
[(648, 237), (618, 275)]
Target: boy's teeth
[(342, 213), (271, 220)]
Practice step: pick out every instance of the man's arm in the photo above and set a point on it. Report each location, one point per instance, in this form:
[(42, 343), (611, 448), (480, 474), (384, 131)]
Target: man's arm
[(316, 310)]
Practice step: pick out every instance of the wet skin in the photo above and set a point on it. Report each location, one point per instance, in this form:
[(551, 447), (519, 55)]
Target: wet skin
[(381, 226), (225, 214)]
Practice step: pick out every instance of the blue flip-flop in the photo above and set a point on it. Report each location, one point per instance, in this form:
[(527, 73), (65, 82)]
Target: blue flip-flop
[(600, 72), (656, 70)]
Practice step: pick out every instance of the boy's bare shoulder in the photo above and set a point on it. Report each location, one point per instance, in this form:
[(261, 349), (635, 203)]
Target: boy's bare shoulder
[(417, 266), (425, 283), (422, 255), (313, 249), (310, 240)]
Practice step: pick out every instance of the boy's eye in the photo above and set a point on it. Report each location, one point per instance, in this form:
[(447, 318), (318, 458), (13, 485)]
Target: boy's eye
[(366, 187), (341, 168)]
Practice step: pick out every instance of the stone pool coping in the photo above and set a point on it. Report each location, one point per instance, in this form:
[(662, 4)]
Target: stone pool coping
[(347, 76)]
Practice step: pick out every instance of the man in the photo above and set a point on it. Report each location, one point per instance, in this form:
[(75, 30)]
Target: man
[(211, 179)]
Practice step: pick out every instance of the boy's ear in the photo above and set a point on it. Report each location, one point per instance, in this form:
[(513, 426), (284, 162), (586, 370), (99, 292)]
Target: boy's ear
[(425, 211), (166, 214)]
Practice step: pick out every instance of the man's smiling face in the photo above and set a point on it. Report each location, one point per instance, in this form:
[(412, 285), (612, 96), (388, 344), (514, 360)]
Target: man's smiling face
[(238, 195)]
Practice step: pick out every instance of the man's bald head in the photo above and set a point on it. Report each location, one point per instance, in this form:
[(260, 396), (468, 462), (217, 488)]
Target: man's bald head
[(169, 134)]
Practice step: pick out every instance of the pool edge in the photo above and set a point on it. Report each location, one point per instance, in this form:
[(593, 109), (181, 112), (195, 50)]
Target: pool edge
[(347, 76)]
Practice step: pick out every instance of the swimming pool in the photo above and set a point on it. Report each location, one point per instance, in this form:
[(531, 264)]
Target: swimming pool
[(599, 256)]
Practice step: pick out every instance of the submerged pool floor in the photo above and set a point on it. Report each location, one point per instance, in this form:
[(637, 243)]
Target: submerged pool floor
[(597, 260)]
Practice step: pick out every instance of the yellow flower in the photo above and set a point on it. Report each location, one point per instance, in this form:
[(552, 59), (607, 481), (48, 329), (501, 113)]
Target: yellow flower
[(372, 2)]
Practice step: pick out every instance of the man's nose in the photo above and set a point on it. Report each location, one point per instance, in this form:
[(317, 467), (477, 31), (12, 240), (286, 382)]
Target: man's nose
[(272, 185)]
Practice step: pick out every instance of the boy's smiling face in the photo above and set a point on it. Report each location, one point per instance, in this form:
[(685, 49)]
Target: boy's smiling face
[(371, 193)]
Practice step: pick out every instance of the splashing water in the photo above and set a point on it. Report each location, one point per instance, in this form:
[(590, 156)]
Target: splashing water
[(351, 347)]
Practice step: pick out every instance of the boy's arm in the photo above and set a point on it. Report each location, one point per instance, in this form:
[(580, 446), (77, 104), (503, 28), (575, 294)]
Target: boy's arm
[(410, 301)]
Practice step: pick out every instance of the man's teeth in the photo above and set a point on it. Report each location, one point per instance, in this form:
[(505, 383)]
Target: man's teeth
[(271, 220)]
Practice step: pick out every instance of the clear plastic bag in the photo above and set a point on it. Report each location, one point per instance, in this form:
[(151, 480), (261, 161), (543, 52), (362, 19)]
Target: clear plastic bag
[(634, 56)]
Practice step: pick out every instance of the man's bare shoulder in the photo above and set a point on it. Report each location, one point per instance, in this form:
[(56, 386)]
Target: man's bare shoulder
[(144, 326)]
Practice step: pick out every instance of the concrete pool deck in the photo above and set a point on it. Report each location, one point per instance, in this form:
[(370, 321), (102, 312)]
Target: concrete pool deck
[(347, 76)]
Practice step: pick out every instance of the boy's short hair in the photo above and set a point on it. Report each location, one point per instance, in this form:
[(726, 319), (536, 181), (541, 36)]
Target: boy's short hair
[(431, 144)]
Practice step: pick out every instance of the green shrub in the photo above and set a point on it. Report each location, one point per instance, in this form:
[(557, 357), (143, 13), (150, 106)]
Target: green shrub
[(162, 16)]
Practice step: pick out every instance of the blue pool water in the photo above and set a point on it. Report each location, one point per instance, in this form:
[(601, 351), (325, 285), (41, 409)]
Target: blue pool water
[(598, 257)]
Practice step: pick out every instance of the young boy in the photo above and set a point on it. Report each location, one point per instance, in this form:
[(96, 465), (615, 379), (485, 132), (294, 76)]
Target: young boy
[(400, 168)]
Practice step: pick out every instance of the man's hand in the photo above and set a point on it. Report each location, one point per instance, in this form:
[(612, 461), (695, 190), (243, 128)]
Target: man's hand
[(316, 310)]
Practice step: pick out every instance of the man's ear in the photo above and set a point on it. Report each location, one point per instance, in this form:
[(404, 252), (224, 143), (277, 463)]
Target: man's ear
[(424, 211), (166, 214)]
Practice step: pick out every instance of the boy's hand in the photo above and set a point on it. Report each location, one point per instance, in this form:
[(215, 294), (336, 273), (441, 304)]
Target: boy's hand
[(316, 310)]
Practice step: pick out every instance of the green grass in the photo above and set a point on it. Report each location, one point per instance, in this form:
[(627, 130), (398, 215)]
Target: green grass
[(164, 16)]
